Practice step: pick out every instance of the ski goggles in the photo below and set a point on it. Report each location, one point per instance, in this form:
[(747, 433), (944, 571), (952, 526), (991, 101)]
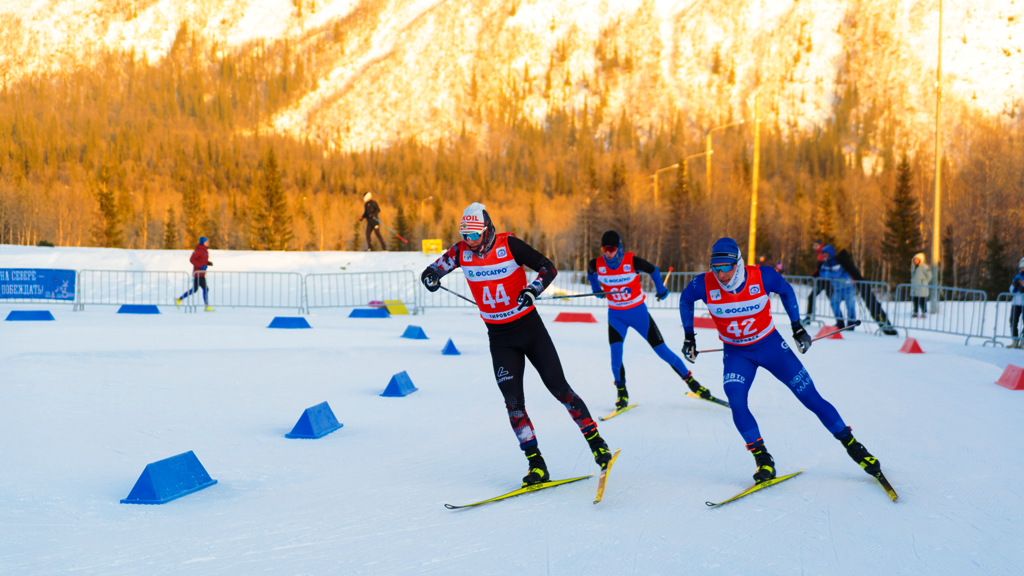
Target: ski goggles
[(472, 236), (609, 250), (722, 267)]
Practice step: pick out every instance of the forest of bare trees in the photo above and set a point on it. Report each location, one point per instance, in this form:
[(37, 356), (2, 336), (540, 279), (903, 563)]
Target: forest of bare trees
[(153, 156)]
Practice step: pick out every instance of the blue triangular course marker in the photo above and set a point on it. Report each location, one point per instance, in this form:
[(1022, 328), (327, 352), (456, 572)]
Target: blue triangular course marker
[(400, 385), (369, 313), (414, 333), (450, 349), (29, 315), (168, 479), (315, 422), (138, 309), (289, 322)]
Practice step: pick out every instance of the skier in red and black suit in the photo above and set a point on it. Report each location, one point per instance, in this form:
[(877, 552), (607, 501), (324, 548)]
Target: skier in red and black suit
[(493, 265)]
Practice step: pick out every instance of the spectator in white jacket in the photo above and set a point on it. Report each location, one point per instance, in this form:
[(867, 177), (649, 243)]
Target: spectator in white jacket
[(921, 276)]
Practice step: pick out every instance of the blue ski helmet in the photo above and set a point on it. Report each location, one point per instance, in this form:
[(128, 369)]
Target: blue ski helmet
[(203, 239)]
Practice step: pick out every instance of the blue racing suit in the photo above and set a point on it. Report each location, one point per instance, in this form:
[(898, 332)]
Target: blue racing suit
[(771, 353)]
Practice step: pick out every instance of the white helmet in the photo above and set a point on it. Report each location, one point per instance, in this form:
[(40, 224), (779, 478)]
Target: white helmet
[(367, 196)]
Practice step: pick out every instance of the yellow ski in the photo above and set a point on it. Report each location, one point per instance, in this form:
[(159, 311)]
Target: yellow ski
[(713, 400), (617, 412), (755, 488), (520, 491), (603, 479)]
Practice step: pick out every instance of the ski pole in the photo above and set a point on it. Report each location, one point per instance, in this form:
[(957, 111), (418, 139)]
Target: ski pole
[(812, 339), (566, 296), (392, 231), (454, 292)]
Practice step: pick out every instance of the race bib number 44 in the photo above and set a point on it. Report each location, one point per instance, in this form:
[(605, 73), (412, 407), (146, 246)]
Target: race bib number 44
[(499, 297)]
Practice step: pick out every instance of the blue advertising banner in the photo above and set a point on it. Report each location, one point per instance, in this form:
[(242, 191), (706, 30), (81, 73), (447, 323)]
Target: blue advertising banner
[(37, 283)]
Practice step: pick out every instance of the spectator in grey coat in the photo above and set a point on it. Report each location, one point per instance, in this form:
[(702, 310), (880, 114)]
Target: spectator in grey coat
[(921, 274)]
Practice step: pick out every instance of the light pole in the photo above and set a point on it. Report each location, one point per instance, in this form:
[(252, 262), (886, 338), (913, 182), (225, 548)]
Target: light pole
[(672, 167), (752, 240), (938, 174), (421, 206), (707, 150)]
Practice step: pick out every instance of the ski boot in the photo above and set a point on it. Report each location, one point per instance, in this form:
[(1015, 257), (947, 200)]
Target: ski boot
[(208, 309), (765, 462), (858, 452), (538, 469), (623, 400), (840, 324), (696, 388), (177, 302), (600, 449)]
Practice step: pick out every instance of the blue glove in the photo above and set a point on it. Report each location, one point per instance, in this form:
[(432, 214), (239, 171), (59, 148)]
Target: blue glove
[(662, 296), (599, 295)]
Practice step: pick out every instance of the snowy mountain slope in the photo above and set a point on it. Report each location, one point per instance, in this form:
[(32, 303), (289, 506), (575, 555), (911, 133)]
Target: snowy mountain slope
[(422, 68)]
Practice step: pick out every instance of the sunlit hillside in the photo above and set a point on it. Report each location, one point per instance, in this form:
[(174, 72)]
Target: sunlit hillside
[(426, 68)]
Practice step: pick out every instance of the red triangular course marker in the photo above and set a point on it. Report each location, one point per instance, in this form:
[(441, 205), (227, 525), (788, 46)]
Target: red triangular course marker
[(576, 317), (829, 330), (911, 347), (1012, 378)]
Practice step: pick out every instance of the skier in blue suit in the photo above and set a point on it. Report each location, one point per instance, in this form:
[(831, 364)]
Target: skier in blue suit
[(738, 298), (616, 273), (842, 288)]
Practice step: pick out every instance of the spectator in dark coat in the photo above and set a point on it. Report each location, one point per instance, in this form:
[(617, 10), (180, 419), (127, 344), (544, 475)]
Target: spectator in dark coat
[(1017, 310), (200, 260), (370, 212), (818, 285)]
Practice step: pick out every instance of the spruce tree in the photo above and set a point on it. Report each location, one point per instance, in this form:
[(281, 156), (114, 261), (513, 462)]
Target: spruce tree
[(107, 232), (192, 212), (271, 224), (902, 225), (402, 227), (826, 224), (997, 274), (170, 230)]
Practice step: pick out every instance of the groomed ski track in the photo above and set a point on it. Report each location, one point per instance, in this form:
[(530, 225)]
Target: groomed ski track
[(88, 400)]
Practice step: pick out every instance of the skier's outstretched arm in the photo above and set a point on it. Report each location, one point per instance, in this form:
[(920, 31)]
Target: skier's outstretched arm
[(646, 267), (592, 276), (774, 282), (526, 255), (431, 276), (694, 291)]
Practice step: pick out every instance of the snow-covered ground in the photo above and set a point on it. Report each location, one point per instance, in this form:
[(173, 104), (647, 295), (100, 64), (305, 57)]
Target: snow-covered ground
[(88, 400)]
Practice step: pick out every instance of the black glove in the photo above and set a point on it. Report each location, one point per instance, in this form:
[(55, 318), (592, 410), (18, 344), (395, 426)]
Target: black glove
[(661, 296), (208, 263), (803, 339), (690, 347), (527, 296), (431, 280)]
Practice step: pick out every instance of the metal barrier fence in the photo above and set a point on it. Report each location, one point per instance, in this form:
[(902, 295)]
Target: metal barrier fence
[(871, 300), (454, 281), (114, 287), (249, 290), (350, 289), (960, 311), (1007, 319)]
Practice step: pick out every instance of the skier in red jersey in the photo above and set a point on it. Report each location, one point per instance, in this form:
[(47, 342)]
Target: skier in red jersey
[(493, 265)]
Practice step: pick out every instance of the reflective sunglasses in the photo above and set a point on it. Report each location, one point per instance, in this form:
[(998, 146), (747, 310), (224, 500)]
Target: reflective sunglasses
[(722, 267), (472, 236), (609, 249)]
